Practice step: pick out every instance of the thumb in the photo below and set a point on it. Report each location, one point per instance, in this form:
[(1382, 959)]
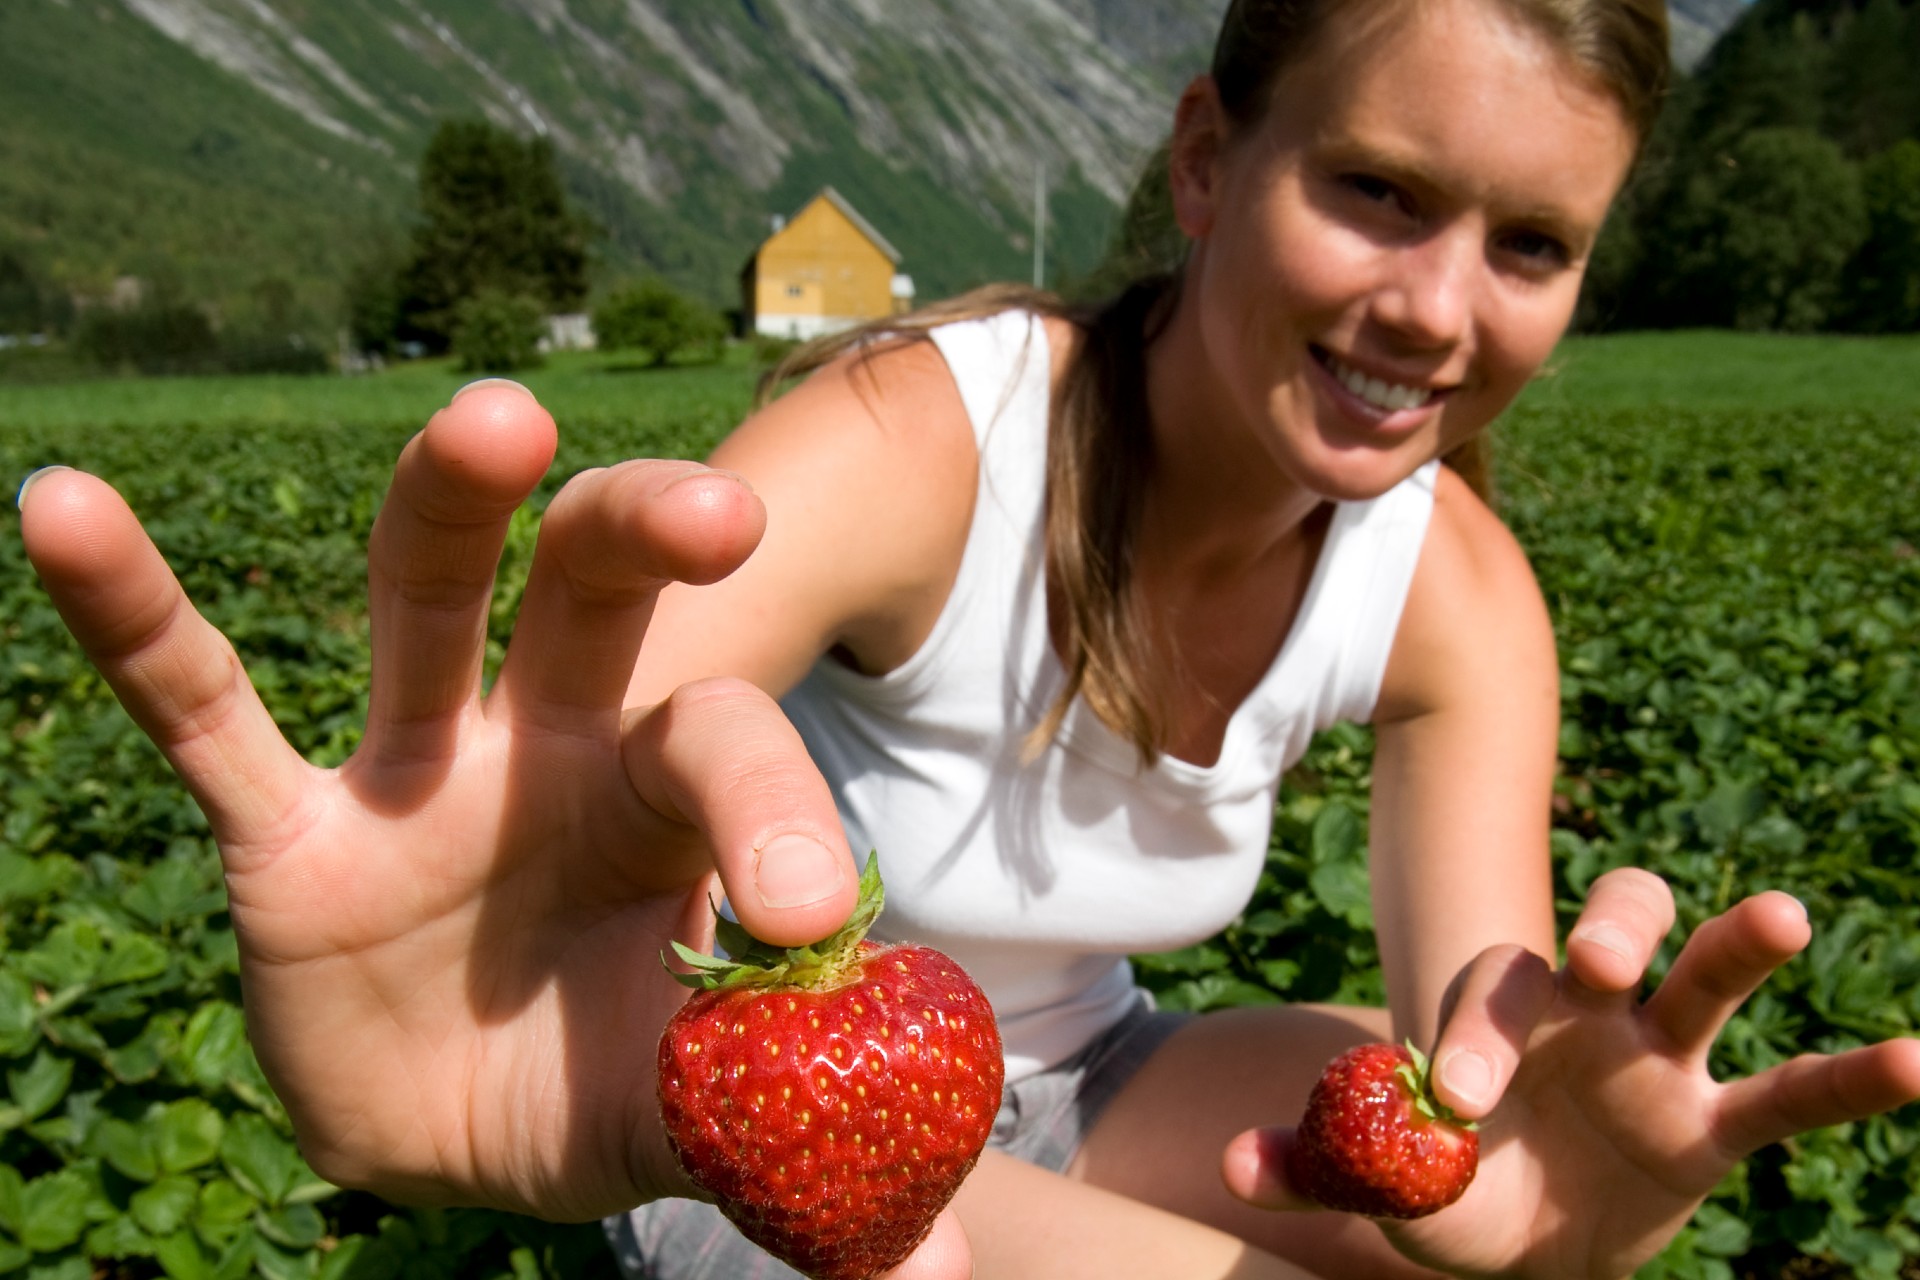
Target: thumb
[(1254, 1167), (945, 1254)]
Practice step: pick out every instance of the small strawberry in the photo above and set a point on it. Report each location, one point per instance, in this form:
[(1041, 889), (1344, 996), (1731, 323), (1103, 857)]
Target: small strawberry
[(830, 1098), (1375, 1140)]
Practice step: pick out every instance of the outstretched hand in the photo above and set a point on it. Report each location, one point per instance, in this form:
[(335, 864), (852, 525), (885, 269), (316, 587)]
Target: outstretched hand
[(1602, 1130), (450, 945)]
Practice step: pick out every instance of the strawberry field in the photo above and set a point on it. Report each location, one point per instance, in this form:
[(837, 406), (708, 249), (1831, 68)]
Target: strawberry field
[(1734, 578)]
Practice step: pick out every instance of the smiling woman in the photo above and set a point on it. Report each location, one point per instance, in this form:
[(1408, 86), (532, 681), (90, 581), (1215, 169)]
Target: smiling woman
[(1050, 600)]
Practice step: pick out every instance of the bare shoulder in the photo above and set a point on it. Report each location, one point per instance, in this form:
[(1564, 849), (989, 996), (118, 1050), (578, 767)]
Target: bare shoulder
[(1474, 614)]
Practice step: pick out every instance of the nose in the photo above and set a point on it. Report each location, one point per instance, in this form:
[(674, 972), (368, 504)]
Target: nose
[(1427, 299)]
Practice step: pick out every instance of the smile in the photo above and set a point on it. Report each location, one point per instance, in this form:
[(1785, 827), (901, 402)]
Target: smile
[(1386, 396)]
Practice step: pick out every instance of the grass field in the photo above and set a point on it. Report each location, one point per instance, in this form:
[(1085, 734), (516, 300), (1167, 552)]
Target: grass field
[(1724, 525), (1698, 370)]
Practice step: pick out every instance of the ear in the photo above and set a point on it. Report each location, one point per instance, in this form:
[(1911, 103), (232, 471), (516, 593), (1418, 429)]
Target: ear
[(1199, 137)]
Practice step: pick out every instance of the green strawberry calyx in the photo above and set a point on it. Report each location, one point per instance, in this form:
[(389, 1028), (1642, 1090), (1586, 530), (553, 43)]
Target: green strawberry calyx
[(749, 962), (1417, 1076)]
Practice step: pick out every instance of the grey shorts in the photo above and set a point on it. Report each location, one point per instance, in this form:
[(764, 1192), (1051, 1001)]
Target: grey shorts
[(1043, 1120)]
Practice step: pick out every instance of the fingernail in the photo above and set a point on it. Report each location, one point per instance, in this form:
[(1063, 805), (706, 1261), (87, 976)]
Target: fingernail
[(1468, 1075), (20, 498), (1607, 937), (491, 382), (796, 871), (699, 472)]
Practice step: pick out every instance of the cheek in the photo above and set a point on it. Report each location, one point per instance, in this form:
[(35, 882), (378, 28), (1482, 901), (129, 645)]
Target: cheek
[(1524, 335)]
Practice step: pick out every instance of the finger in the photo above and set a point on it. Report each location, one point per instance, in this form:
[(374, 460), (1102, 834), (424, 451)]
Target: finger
[(609, 542), (176, 675), (1628, 914), (432, 557), (944, 1255), (1254, 1167), (720, 755), (1814, 1091), (1493, 1009), (1723, 963)]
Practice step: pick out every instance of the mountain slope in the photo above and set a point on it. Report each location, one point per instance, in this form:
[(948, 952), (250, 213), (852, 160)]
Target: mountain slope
[(256, 148)]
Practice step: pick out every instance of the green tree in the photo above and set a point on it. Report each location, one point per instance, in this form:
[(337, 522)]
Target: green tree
[(498, 332), (494, 216), (1883, 281), (1870, 79), (1759, 234), (652, 316)]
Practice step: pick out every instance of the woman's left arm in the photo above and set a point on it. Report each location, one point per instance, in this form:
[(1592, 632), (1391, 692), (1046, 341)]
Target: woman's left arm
[(1467, 732)]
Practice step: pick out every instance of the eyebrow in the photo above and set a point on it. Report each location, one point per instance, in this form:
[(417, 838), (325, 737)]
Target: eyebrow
[(1408, 168)]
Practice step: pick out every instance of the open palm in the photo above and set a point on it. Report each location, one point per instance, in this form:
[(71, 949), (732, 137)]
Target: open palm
[(1610, 1130), (450, 945)]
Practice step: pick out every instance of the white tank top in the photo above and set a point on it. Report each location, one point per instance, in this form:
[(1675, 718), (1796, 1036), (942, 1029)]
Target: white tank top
[(1041, 877)]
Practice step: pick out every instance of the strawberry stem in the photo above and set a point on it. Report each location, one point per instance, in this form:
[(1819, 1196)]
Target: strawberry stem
[(1417, 1076), (749, 962)]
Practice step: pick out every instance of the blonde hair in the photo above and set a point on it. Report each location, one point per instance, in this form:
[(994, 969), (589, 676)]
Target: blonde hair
[(1100, 439)]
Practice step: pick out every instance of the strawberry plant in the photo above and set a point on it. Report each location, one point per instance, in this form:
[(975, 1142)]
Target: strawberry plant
[(1736, 591)]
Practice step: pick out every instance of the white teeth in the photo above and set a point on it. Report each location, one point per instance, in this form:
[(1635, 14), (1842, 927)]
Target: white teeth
[(1381, 395)]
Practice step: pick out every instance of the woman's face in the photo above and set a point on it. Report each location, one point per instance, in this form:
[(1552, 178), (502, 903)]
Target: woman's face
[(1383, 261)]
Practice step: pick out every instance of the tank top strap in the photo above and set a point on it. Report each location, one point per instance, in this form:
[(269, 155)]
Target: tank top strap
[(1345, 632)]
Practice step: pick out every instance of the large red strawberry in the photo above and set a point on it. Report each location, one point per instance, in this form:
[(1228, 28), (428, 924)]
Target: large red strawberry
[(1375, 1140), (832, 1097)]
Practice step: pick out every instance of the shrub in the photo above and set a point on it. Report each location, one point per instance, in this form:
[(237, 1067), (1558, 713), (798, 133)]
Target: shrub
[(653, 317), (499, 332), (153, 337)]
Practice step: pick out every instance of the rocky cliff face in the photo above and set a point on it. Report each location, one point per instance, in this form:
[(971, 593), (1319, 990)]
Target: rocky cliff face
[(687, 123)]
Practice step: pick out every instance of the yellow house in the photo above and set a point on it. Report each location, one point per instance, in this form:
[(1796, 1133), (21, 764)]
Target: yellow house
[(823, 270)]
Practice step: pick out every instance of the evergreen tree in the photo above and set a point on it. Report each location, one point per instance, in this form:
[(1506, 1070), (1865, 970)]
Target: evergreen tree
[(494, 218)]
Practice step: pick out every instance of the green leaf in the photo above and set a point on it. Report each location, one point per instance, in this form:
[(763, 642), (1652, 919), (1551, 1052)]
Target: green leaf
[(1732, 806), (162, 1208), (132, 957), (186, 1134), (38, 1088), (223, 1204), (70, 955), (53, 1211), (70, 1267), (141, 1058), (12, 1256), (12, 1198), (1337, 836), (1343, 888), (182, 1258), (297, 1226), (343, 1261), (214, 1045), (126, 1146), (265, 1164), (119, 1237), (19, 1016)]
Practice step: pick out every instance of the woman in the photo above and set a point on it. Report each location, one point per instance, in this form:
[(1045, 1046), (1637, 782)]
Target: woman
[(1039, 630)]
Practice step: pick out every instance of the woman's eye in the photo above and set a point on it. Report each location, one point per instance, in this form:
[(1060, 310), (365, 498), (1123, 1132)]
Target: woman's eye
[(1537, 247), (1373, 189)]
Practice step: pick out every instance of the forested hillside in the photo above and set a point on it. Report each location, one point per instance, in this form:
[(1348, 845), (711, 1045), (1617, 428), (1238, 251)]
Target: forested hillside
[(1784, 189)]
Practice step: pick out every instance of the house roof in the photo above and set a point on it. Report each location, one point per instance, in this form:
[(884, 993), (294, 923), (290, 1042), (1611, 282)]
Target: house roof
[(852, 215), (866, 228)]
